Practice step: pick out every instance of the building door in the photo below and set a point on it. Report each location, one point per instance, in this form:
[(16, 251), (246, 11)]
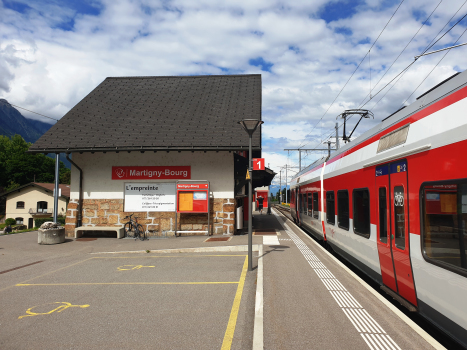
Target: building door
[(30, 223), (393, 231)]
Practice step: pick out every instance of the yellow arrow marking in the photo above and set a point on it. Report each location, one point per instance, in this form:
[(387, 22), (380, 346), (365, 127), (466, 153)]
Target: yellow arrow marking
[(58, 309)]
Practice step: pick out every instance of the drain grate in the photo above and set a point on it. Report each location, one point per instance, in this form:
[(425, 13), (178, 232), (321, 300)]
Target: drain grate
[(85, 239), (218, 239)]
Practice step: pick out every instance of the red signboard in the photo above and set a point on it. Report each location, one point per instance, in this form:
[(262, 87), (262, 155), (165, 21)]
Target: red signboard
[(192, 198), (151, 172), (191, 186), (258, 164)]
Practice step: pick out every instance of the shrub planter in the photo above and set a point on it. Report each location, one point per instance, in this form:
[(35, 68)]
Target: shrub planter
[(51, 233)]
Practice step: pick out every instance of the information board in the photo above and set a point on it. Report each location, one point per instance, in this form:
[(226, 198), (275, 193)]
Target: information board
[(149, 196), (192, 198)]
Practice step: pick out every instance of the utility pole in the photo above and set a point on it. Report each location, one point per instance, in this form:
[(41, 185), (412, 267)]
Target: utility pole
[(337, 136)]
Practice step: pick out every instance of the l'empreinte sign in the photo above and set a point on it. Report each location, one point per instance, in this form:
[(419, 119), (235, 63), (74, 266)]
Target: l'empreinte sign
[(149, 196)]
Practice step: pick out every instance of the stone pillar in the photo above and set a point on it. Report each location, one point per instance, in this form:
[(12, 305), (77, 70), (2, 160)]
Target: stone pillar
[(71, 218)]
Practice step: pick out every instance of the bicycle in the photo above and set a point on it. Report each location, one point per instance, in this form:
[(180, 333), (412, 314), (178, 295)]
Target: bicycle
[(133, 229)]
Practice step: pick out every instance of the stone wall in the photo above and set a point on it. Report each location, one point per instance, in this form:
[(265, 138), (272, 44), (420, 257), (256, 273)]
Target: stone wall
[(109, 212)]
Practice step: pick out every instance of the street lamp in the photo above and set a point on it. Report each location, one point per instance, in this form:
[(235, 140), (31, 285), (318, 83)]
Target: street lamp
[(250, 126)]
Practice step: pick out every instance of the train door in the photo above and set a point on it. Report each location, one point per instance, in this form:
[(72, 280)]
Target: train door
[(393, 231)]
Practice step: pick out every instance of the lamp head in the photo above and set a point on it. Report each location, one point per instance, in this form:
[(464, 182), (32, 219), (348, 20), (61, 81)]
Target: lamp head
[(250, 125)]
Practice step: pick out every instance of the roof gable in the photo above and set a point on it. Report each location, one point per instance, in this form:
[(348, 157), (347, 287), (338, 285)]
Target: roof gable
[(150, 113)]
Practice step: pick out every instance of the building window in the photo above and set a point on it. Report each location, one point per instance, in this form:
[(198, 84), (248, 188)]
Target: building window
[(361, 212), (330, 211), (444, 224), (42, 207), (19, 205), (310, 204), (315, 205), (19, 221), (343, 209)]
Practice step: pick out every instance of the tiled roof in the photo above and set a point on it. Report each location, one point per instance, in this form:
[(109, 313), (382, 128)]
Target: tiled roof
[(65, 188), (47, 186), (160, 113)]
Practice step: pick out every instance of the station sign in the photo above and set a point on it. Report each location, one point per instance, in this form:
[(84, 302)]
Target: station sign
[(151, 172), (258, 164), (149, 196)]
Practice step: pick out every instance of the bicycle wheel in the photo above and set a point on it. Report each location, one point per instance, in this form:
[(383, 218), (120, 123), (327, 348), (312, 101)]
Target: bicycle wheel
[(141, 233), (129, 230)]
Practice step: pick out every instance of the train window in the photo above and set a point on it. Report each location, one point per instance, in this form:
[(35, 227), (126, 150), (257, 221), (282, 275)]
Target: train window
[(303, 203), (315, 205), (444, 224), (330, 213), (361, 212), (399, 217), (383, 216), (310, 204), (343, 209)]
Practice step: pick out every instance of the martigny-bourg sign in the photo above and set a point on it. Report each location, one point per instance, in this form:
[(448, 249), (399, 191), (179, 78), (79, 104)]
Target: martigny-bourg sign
[(149, 196), (151, 172)]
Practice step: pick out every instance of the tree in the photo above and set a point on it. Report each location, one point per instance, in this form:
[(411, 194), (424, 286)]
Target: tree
[(19, 167)]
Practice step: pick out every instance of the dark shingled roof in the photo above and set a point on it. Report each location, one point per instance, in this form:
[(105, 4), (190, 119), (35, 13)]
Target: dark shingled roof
[(160, 113)]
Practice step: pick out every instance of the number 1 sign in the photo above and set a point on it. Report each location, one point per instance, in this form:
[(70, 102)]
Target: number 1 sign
[(258, 164)]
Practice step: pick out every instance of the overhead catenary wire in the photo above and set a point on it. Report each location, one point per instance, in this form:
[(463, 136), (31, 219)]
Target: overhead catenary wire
[(387, 23), (402, 73), (387, 70), (42, 115)]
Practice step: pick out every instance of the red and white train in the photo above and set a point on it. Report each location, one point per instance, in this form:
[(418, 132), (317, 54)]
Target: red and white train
[(393, 202)]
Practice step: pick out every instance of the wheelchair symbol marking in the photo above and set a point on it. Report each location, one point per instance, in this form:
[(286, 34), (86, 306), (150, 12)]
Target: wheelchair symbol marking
[(62, 307)]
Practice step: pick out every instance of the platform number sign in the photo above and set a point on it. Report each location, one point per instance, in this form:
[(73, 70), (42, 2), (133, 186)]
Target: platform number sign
[(258, 164)]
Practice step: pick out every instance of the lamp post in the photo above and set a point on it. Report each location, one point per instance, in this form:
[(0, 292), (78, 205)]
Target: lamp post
[(250, 126)]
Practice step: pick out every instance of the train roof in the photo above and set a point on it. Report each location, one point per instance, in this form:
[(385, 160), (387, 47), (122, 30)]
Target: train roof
[(447, 86)]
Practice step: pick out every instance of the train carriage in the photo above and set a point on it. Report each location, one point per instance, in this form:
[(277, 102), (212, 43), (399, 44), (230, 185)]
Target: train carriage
[(393, 202)]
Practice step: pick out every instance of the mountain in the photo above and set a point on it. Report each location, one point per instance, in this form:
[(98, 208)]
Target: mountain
[(12, 122)]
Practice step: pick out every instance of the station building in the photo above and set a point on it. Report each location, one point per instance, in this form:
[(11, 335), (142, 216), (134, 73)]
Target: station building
[(134, 141)]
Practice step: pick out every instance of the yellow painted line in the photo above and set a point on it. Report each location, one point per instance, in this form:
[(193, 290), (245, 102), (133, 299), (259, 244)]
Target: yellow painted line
[(229, 332), (47, 273), (116, 283)]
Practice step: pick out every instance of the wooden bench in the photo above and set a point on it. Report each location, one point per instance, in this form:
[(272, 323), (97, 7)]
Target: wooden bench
[(119, 230)]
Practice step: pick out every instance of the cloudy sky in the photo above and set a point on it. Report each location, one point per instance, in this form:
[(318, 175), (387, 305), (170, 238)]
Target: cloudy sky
[(54, 52)]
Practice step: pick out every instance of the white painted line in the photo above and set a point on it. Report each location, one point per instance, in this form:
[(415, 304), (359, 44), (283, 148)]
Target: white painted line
[(394, 309), (270, 240), (258, 337)]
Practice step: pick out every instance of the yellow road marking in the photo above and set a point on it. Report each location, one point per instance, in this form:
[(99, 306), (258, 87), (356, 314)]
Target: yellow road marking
[(229, 332), (131, 267), (116, 283), (65, 267), (65, 306)]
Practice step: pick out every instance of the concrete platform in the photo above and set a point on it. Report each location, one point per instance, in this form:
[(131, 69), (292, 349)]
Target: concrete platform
[(305, 299), (312, 302)]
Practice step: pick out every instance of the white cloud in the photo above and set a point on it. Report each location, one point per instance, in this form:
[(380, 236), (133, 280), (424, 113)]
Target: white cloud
[(48, 69)]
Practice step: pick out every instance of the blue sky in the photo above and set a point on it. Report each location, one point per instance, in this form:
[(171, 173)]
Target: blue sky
[(54, 52)]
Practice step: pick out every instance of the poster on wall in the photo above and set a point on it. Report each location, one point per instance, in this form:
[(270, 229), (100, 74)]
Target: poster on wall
[(149, 196)]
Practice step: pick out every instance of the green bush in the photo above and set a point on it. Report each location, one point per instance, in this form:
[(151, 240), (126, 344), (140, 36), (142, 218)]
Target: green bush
[(39, 222), (10, 221)]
